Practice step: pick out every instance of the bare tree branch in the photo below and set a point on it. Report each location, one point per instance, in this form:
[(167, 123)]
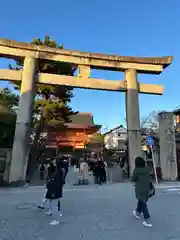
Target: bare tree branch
[(151, 121)]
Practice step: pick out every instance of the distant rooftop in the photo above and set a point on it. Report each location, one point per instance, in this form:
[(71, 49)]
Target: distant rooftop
[(114, 129), (176, 111), (144, 131), (82, 118)]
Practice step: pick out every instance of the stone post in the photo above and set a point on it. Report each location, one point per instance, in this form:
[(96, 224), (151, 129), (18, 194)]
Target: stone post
[(24, 117), (168, 160), (132, 117)]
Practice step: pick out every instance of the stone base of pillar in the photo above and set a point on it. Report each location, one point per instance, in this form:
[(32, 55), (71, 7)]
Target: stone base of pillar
[(18, 165), (170, 173)]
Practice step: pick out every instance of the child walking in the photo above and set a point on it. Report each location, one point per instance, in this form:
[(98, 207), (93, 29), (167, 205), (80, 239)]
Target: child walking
[(51, 170), (54, 192), (141, 177)]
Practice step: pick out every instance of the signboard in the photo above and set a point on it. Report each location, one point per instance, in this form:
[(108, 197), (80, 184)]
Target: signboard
[(149, 141)]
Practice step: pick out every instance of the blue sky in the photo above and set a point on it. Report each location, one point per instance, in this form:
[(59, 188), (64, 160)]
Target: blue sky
[(124, 27)]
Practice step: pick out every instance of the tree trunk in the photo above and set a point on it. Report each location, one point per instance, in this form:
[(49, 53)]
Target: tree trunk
[(35, 153)]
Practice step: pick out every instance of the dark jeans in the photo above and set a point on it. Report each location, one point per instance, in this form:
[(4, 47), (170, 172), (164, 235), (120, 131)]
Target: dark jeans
[(59, 205), (104, 176), (41, 175), (142, 207), (98, 179)]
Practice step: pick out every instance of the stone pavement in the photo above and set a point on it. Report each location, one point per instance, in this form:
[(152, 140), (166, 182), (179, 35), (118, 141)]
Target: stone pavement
[(90, 213)]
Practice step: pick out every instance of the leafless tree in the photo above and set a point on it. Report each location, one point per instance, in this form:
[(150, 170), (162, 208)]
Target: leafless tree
[(150, 121)]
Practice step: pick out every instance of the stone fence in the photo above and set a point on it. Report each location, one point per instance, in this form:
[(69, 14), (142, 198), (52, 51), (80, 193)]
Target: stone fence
[(5, 161), (114, 175)]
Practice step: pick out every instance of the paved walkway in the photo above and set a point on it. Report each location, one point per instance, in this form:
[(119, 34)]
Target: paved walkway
[(90, 213)]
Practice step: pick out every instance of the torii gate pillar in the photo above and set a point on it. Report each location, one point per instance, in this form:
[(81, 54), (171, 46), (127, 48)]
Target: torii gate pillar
[(132, 117), (19, 161), (168, 159)]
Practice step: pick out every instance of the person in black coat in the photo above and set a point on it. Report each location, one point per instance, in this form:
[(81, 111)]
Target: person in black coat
[(42, 170), (99, 172), (51, 169), (54, 191), (96, 172), (65, 166), (102, 172)]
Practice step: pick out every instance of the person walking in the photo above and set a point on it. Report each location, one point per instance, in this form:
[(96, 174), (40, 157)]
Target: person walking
[(42, 170), (141, 177), (95, 172), (105, 171), (54, 192), (100, 171), (51, 169), (65, 166)]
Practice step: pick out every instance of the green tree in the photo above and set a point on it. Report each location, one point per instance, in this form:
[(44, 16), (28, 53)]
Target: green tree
[(51, 108), (97, 138), (8, 106), (8, 99)]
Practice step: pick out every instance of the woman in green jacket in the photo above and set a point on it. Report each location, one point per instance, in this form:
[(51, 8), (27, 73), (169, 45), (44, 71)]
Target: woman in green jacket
[(141, 177)]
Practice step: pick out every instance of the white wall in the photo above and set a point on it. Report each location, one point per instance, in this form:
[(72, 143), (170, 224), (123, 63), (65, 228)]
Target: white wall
[(111, 139)]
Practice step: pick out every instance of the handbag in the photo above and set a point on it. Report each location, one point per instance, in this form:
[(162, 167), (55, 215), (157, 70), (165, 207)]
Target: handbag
[(152, 190)]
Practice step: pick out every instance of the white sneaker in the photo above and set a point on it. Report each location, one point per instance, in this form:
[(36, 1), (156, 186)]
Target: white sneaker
[(40, 206), (60, 214), (54, 222), (136, 215), (49, 213), (146, 224)]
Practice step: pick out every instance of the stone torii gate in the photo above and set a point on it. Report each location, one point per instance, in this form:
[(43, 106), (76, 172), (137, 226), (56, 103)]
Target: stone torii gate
[(85, 61)]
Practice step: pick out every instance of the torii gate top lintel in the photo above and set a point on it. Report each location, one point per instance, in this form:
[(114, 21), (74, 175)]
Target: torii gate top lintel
[(154, 65)]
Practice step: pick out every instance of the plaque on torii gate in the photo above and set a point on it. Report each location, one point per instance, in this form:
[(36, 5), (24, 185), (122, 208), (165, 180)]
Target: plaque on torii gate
[(85, 61)]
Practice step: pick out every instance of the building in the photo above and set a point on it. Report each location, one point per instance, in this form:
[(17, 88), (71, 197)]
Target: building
[(77, 134), (116, 138), (177, 119)]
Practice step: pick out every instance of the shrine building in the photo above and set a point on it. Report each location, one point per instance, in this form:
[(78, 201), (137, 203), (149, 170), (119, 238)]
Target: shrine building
[(77, 134)]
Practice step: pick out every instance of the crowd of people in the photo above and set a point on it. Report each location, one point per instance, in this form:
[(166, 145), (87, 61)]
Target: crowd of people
[(144, 188)]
